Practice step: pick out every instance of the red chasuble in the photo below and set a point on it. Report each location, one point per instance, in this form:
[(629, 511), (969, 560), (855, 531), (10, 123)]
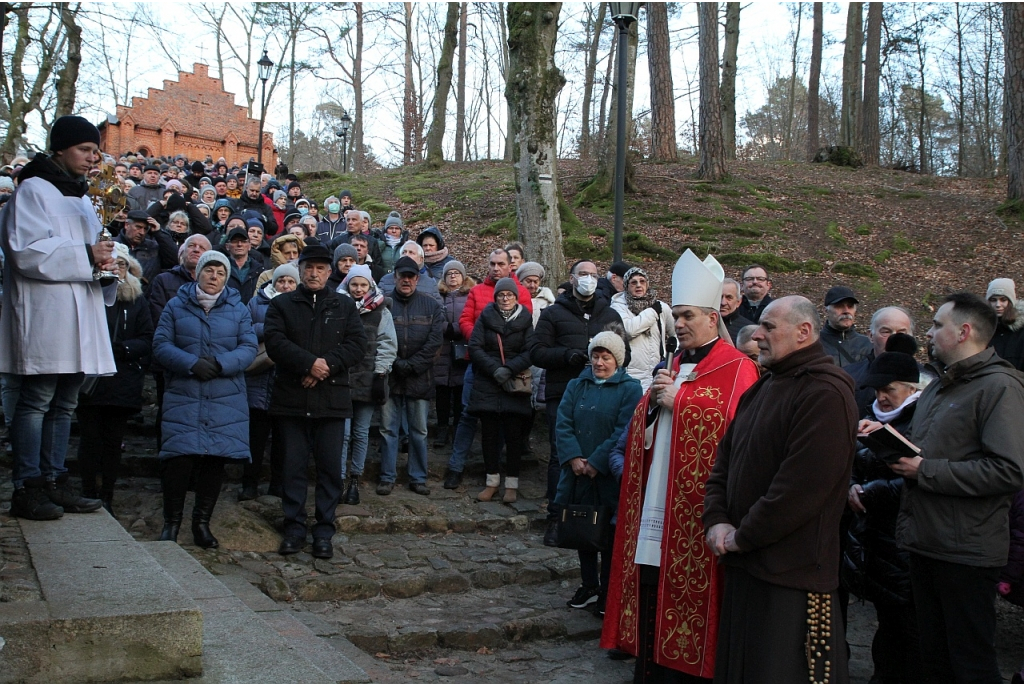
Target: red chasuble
[(691, 584)]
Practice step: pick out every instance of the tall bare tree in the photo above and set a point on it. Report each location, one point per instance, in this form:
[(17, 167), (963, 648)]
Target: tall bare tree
[(788, 139), (410, 103), (435, 134), (532, 93), (663, 104), (594, 27), (870, 136), (460, 87), (67, 77), (813, 140), (712, 151), (732, 41), (849, 124), (1013, 35)]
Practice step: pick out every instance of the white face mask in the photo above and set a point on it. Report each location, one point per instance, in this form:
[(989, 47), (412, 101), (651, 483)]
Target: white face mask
[(586, 285)]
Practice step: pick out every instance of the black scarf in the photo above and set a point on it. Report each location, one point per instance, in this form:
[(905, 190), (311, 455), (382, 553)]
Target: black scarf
[(43, 167)]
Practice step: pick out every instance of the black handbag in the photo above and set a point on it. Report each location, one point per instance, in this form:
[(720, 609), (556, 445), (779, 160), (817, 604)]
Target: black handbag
[(585, 527)]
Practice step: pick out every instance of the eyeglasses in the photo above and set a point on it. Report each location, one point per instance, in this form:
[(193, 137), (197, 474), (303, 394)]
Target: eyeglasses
[(505, 296), (755, 279)]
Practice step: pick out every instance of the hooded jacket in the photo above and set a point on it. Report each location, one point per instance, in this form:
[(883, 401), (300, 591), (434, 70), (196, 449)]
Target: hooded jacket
[(435, 263), (783, 471), (277, 257), (131, 339), (263, 208), (1008, 341), (209, 418), (968, 426)]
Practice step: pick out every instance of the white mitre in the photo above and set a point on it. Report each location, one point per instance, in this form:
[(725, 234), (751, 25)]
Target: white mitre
[(696, 283)]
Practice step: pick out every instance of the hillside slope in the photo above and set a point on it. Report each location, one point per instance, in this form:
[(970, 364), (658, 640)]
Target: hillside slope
[(895, 237)]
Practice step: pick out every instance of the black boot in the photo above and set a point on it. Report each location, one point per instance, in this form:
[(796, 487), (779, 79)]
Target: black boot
[(63, 495), (174, 508), (32, 502), (352, 491), (201, 514)]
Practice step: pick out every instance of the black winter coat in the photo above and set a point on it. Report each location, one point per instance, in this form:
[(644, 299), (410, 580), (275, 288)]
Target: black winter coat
[(302, 326), (247, 288), (564, 329), (266, 213), (1008, 341), (157, 253), (845, 347), (874, 567), (131, 337), (419, 324), (516, 334)]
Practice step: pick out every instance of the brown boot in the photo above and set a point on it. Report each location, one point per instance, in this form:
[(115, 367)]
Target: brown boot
[(488, 493), (511, 486)]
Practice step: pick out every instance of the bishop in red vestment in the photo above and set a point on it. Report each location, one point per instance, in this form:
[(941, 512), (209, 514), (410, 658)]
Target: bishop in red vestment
[(666, 585)]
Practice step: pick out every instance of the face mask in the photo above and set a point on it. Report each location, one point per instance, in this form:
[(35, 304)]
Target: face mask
[(333, 208), (303, 211), (586, 285)]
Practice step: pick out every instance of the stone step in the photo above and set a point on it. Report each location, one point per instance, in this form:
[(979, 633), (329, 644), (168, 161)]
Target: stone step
[(491, 619), (105, 612), (248, 638)]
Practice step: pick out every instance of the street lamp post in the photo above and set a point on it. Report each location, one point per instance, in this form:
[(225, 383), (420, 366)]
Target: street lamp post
[(264, 64), (342, 132), (623, 14)]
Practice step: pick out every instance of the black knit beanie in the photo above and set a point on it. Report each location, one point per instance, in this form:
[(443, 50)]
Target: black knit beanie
[(70, 130)]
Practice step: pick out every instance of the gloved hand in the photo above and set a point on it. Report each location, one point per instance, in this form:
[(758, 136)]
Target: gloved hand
[(216, 364), (502, 374), (576, 358), (402, 368), (657, 307), (379, 388), (204, 369), (450, 333), (120, 352)]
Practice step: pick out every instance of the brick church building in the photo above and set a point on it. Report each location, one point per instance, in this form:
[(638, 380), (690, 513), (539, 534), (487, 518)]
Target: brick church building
[(193, 116)]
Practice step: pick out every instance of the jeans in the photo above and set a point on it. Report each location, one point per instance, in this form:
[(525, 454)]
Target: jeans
[(415, 411), (41, 425), (956, 621), (358, 440), (465, 431), (322, 437)]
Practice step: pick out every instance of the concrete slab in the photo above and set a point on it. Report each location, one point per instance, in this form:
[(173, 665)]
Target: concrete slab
[(109, 612), (242, 646)]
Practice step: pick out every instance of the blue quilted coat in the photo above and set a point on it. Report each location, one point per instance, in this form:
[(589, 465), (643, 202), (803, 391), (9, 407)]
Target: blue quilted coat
[(205, 417)]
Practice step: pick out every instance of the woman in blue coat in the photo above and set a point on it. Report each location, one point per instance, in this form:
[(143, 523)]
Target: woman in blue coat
[(204, 343), (594, 411)]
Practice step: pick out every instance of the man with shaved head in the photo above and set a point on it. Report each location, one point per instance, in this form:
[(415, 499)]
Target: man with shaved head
[(773, 504)]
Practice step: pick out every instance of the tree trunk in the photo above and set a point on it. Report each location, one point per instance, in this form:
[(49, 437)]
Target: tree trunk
[(1013, 34), (606, 162), (850, 116), (532, 93), (813, 141), (663, 104), (358, 151), (460, 88), (732, 42), (590, 68), (67, 77), (870, 138), (291, 86), (409, 109), (712, 151), (602, 120), (435, 135), (788, 141)]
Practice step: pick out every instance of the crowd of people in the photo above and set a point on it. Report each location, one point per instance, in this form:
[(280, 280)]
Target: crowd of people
[(727, 465)]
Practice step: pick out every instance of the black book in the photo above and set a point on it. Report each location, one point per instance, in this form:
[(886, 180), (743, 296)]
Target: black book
[(887, 443)]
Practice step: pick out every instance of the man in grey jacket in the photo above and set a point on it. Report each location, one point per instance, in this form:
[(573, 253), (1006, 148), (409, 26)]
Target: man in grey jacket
[(953, 514)]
